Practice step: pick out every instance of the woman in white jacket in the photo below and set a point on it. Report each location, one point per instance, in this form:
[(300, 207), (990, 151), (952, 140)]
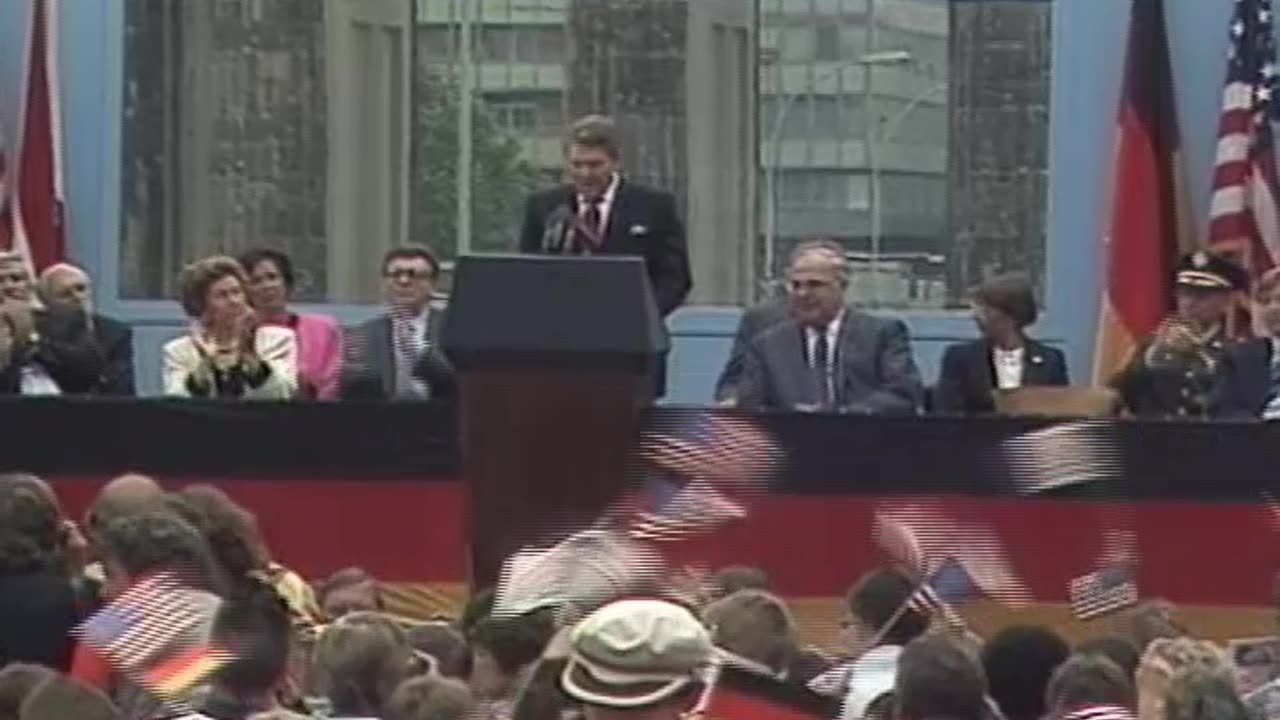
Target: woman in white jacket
[(227, 354)]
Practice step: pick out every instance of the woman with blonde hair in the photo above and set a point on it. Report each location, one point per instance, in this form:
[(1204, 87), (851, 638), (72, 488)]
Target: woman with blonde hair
[(227, 353), (1163, 661)]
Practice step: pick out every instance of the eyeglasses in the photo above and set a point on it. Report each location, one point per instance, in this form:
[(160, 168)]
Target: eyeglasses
[(798, 285), (407, 274)]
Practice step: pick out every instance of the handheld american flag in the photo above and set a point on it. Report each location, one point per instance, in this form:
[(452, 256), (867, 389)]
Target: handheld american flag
[(1103, 592), (1243, 214), (925, 539), (153, 634)]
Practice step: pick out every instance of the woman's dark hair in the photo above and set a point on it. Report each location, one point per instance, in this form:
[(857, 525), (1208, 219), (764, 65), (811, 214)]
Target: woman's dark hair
[(229, 529), (1011, 294), (513, 642), (284, 265), (878, 597), (542, 698), (255, 627), (161, 541), (30, 529), (1018, 662)]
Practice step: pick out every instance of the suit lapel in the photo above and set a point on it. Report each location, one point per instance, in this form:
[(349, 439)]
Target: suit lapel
[(386, 355), (1034, 364), (613, 234), (982, 368)]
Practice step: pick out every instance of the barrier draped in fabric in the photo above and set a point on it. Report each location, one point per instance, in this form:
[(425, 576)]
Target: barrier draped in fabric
[(375, 485)]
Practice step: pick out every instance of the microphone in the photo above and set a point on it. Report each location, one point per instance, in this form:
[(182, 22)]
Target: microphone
[(555, 232)]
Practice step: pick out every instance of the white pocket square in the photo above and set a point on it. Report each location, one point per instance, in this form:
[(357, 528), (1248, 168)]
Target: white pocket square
[(639, 230)]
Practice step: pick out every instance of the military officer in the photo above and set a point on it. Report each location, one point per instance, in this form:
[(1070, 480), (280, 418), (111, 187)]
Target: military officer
[(1172, 372)]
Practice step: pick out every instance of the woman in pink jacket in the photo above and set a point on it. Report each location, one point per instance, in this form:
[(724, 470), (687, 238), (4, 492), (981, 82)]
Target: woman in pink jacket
[(319, 351)]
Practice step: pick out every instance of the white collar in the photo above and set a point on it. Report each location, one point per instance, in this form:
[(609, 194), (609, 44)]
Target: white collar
[(606, 198)]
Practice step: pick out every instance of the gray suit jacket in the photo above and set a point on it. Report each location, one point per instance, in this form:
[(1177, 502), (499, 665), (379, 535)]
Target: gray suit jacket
[(368, 363), (875, 372), (755, 320)]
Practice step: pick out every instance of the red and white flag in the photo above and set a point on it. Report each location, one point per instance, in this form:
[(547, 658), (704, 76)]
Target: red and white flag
[(35, 215), (1243, 212)]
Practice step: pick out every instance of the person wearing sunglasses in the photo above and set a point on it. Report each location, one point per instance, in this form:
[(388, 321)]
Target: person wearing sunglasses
[(397, 354)]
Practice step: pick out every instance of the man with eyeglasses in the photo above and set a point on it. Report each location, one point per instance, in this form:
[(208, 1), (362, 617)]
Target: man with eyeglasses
[(828, 356), (397, 354)]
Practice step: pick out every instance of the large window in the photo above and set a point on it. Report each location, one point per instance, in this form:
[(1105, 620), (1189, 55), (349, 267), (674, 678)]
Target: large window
[(334, 130), (897, 128)]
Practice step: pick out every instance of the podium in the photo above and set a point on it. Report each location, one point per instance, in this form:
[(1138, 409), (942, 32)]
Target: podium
[(555, 358)]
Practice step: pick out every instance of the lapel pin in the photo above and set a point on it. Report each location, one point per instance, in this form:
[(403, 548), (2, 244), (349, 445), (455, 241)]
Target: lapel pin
[(1036, 359), (639, 230)]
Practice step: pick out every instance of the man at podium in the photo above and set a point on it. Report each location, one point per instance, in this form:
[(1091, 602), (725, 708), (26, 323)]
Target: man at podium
[(601, 213)]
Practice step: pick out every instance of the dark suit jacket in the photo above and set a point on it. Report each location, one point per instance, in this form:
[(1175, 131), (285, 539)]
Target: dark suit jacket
[(368, 365), (37, 613), (82, 363), (1244, 381), (755, 320), (642, 222), (968, 375), (875, 371)]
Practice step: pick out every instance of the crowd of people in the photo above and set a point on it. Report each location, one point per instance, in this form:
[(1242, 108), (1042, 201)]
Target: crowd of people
[(329, 649)]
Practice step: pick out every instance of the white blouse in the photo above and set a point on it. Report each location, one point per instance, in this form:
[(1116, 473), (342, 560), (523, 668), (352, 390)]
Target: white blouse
[(1008, 365)]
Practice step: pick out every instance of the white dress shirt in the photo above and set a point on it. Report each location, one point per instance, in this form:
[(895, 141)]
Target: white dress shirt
[(832, 333), (1271, 411), (36, 382), (604, 204), (1008, 365), (407, 384)]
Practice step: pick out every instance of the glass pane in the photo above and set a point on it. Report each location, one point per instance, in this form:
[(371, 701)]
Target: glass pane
[(225, 138), (913, 132)]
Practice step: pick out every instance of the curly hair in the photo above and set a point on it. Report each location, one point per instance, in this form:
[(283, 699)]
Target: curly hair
[(1163, 661), (1202, 694), (196, 279), (230, 530), (161, 541), (30, 528)]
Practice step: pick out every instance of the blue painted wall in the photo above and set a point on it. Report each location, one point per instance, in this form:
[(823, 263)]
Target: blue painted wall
[(1088, 47)]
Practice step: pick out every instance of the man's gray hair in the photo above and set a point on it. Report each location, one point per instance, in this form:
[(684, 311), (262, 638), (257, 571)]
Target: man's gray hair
[(829, 248)]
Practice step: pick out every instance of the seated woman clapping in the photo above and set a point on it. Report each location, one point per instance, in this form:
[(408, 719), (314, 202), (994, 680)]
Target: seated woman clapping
[(227, 353)]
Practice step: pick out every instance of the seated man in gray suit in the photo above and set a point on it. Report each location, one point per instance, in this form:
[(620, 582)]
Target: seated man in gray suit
[(755, 320), (829, 356), (397, 354)]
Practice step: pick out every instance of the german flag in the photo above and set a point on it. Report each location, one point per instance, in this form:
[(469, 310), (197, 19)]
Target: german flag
[(1148, 223)]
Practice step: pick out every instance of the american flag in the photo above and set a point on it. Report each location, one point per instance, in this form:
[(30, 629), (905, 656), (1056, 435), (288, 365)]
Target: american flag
[(1102, 592), (926, 538), (950, 585), (150, 633), (144, 621), (1243, 212)]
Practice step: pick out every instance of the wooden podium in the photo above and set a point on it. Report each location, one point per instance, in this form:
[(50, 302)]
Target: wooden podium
[(555, 357)]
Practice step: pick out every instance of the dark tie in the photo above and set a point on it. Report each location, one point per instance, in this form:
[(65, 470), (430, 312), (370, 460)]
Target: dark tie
[(588, 227), (822, 367)]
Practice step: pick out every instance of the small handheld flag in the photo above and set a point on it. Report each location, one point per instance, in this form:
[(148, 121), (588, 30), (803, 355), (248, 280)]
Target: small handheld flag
[(152, 633), (1102, 592)]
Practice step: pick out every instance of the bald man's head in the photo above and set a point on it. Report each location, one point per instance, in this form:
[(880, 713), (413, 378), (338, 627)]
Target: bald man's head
[(64, 286), (126, 495)]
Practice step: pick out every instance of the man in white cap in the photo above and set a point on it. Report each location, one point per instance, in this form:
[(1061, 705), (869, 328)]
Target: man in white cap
[(638, 660)]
